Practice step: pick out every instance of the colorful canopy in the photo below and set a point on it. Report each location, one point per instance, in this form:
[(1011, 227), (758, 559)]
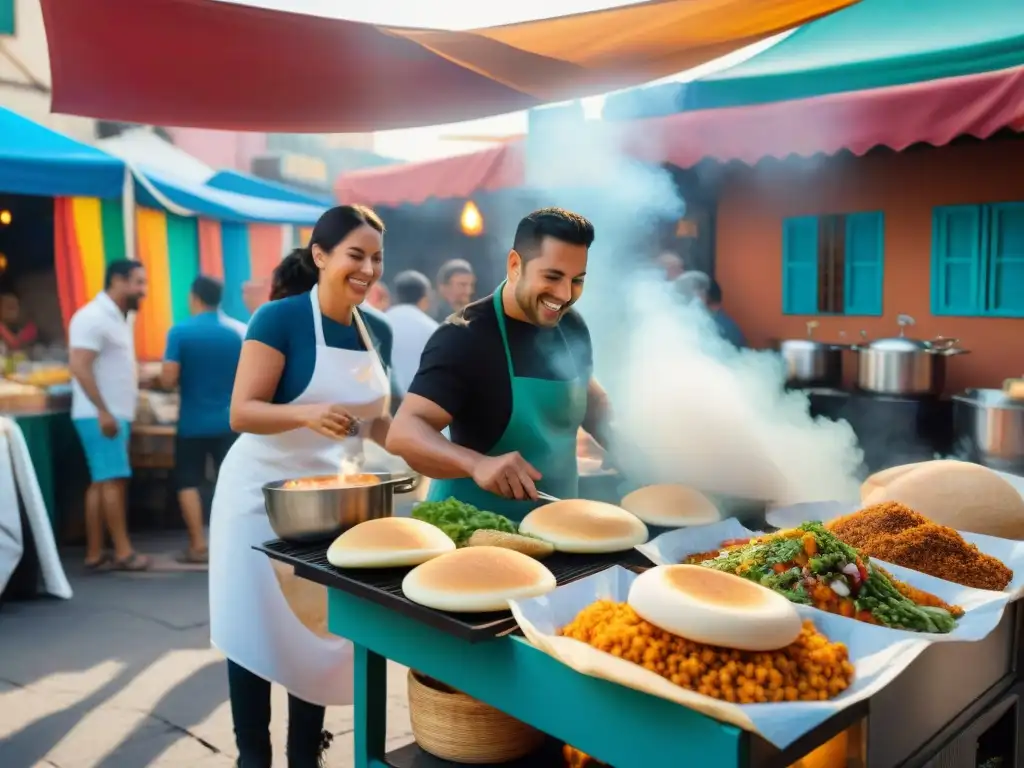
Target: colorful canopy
[(935, 112), (499, 167), (37, 161), (212, 203), (231, 65), (873, 44), (244, 184)]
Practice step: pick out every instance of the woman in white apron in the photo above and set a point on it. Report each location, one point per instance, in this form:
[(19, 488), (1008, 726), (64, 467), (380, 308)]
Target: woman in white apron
[(311, 369)]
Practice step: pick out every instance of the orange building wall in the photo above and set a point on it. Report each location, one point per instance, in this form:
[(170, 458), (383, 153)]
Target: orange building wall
[(753, 202)]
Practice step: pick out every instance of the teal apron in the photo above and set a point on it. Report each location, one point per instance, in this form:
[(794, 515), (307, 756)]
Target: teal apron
[(546, 416)]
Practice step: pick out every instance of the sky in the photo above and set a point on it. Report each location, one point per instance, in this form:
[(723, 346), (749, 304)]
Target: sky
[(428, 143)]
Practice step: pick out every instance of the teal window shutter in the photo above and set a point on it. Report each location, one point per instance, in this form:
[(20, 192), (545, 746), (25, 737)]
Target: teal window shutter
[(957, 248), (800, 265), (7, 17), (864, 263), (1005, 260)]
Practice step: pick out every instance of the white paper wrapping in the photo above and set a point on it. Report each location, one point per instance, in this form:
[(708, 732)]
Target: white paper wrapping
[(982, 608), (1009, 552), (878, 657)]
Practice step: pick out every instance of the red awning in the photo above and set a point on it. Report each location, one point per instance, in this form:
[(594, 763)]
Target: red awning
[(499, 167), (232, 65), (935, 112)]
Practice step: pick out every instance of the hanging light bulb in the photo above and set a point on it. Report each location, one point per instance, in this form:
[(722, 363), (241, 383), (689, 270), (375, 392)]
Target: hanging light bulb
[(471, 222), (5, 217)]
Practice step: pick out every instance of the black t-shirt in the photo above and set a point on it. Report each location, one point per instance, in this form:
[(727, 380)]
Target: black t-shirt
[(463, 368)]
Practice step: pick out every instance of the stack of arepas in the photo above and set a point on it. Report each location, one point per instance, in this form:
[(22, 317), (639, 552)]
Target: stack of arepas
[(583, 526), (957, 494), (671, 505)]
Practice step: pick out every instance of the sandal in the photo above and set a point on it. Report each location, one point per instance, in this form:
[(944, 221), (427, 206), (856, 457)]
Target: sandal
[(193, 557), (133, 563), (98, 566)]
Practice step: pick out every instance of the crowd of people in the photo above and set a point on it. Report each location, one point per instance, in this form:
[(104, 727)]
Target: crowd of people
[(494, 393)]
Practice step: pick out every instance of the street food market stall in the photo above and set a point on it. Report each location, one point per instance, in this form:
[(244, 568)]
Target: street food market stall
[(938, 681)]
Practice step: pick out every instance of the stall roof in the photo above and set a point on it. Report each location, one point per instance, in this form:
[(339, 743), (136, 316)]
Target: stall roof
[(142, 147), (37, 161), (206, 201), (244, 184), (498, 167), (179, 62), (873, 44), (933, 112)]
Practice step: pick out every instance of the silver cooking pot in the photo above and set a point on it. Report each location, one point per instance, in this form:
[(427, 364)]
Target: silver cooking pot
[(812, 363), (902, 366), (989, 429), (320, 513)]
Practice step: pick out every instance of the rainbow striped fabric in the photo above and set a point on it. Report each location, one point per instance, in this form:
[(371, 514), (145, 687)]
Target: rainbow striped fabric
[(89, 234)]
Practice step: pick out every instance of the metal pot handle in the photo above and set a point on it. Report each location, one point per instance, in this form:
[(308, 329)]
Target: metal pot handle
[(407, 485)]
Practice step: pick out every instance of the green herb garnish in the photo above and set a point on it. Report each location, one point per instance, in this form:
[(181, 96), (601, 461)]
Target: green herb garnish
[(460, 520)]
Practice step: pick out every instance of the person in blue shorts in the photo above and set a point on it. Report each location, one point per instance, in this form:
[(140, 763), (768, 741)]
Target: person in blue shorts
[(312, 381), (201, 356), (104, 395)]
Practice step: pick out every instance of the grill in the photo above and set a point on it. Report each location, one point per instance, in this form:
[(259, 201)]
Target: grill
[(384, 585)]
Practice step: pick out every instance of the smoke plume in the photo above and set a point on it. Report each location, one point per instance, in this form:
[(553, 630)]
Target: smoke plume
[(689, 407)]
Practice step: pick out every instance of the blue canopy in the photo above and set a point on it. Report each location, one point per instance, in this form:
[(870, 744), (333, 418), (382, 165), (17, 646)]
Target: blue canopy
[(37, 161), (244, 184), (219, 204)]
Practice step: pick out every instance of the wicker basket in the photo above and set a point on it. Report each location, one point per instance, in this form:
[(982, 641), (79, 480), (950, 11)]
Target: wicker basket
[(452, 726)]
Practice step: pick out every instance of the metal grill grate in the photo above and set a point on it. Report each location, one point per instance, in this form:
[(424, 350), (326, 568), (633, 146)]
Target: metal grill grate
[(384, 585)]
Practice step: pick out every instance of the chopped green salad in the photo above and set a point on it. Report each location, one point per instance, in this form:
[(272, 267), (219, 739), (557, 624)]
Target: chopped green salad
[(809, 565), (460, 520)]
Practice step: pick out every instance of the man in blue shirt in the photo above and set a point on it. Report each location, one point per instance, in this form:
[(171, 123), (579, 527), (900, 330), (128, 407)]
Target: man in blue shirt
[(201, 358)]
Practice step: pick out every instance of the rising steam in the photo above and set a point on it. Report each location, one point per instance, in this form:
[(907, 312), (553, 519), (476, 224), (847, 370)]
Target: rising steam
[(689, 407)]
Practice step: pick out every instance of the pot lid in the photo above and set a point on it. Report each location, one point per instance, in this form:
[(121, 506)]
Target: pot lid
[(898, 344), (803, 344)]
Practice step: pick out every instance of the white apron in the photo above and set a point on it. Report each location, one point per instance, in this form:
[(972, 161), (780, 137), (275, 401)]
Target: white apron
[(251, 621)]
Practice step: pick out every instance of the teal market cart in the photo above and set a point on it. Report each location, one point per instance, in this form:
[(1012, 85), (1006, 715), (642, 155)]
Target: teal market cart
[(492, 663)]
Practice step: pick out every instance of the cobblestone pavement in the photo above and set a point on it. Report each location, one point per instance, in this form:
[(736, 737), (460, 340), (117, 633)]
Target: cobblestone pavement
[(123, 676)]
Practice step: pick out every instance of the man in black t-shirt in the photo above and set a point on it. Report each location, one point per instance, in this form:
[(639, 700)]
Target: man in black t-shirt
[(511, 376)]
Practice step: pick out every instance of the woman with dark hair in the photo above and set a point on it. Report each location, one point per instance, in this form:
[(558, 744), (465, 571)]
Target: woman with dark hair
[(311, 382)]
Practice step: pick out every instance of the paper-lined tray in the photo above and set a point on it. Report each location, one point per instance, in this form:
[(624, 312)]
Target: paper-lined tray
[(1009, 552), (877, 656), (983, 609)]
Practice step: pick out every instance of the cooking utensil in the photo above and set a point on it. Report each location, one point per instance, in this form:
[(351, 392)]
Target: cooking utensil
[(989, 429), (546, 496), (904, 366), (811, 363), (322, 512)]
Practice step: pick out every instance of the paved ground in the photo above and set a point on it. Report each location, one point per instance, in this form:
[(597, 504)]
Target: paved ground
[(122, 676)]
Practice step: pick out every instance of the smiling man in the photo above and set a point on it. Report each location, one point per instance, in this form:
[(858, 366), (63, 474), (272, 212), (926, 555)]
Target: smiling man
[(511, 376)]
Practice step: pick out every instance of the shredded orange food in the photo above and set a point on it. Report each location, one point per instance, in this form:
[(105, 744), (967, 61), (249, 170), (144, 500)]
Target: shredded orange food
[(810, 669), (897, 534)]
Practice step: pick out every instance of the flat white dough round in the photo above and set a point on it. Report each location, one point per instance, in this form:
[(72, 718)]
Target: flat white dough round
[(714, 608), (477, 580), (886, 476), (671, 505), (388, 542), (958, 494), (583, 526)]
